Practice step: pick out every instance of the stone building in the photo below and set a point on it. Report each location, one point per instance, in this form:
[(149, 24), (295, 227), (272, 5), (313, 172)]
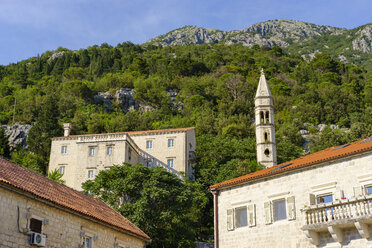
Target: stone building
[(81, 157), (40, 212), (320, 200)]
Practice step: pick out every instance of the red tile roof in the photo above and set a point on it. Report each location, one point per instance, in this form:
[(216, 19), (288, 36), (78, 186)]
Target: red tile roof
[(316, 158), (59, 194), (132, 132)]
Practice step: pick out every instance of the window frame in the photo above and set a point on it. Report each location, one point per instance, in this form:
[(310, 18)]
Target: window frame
[(172, 164), (64, 149), (90, 174), (148, 144), (109, 150), (275, 203), (91, 154), (171, 143), (237, 220), (63, 168)]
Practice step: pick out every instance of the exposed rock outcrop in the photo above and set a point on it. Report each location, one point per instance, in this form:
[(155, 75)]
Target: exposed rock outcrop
[(17, 135), (363, 42)]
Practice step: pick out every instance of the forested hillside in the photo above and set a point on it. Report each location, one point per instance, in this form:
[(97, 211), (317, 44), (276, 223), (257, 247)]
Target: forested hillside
[(209, 86)]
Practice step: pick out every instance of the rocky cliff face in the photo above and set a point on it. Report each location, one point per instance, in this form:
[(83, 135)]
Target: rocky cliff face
[(363, 40), (17, 135), (270, 33)]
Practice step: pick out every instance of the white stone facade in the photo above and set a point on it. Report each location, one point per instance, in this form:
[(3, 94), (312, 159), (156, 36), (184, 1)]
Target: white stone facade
[(306, 223), (81, 157)]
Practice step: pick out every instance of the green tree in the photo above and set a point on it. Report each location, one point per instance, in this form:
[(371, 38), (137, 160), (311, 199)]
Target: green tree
[(155, 200), (4, 144), (56, 176)]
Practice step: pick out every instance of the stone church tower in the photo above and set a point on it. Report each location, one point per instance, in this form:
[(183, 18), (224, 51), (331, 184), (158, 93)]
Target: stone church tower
[(265, 130)]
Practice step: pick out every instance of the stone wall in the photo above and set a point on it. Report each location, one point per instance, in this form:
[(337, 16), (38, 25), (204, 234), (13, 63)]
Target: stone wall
[(338, 178), (63, 229)]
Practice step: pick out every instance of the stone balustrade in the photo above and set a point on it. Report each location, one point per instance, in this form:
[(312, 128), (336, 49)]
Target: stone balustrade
[(337, 215)]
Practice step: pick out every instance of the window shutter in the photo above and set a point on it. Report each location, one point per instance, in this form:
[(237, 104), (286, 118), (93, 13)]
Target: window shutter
[(338, 195), (230, 219), (268, 213), (312, 199), (291, 210), (358, 191), (252, 215)]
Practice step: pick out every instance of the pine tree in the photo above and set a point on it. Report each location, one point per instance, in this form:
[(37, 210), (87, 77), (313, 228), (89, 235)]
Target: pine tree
[(4, 144)]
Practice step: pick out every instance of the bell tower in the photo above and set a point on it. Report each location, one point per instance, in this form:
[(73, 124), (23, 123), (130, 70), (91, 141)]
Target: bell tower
[(265, 130)]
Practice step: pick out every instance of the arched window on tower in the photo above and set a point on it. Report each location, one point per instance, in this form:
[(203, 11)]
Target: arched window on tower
[(267, 119), (267, 152), (262, 117)]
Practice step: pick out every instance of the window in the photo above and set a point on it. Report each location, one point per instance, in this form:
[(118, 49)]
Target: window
[(62, 170), (149, 144), (170, 142), (129, 154), (324, 199), (87, 242), (64, 149), (90, 173), (170, 163), (368, 189), (279, 210), (91, 151), (35, 225), (241, 218), (109, 150)]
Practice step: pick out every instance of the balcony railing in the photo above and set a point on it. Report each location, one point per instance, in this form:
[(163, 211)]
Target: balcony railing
[(335, 216), (339, 210)]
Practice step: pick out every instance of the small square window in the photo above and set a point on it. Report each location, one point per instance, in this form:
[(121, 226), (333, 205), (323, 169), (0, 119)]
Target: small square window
[(109, 150), (91, 151), (170, 163), (62, 170), (279, 210), (35, 225), (90, 173), (64, 149), (241, 217), (170, 142), (149, 144)]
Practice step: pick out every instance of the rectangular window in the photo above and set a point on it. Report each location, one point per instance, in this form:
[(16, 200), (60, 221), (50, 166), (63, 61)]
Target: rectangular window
[(170, 163), (87, 242), (149, 144), (170, 142), (109, 150), (62, 170), (90, 173), (368, 190), (241, 218), (64, 149), (279, 210), (91, 151), (35, 225), (129, 154), (324, 199)]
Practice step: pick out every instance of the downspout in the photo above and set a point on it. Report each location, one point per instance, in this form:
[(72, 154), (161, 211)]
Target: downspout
[(215, 192)]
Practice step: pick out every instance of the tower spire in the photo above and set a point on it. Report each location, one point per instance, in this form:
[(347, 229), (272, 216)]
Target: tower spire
[(265, 130)]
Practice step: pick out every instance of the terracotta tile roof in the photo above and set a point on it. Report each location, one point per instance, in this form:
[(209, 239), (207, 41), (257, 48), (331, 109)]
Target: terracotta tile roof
[(59, 194), (316, 158), (131, 132)]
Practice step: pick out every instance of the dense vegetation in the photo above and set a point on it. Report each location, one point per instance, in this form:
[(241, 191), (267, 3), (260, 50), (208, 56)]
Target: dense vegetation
[(216, 86)]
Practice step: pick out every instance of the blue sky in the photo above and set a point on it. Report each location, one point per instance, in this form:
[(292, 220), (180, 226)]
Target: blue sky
[(31, 27)]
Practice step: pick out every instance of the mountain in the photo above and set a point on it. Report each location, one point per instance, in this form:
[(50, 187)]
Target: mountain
[(350, 46)]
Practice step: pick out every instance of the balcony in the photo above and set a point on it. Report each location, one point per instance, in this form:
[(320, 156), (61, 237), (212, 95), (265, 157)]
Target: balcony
[(334, 216)]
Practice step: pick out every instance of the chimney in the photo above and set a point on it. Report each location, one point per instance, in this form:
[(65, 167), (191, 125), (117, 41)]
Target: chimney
[(67, 127)]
